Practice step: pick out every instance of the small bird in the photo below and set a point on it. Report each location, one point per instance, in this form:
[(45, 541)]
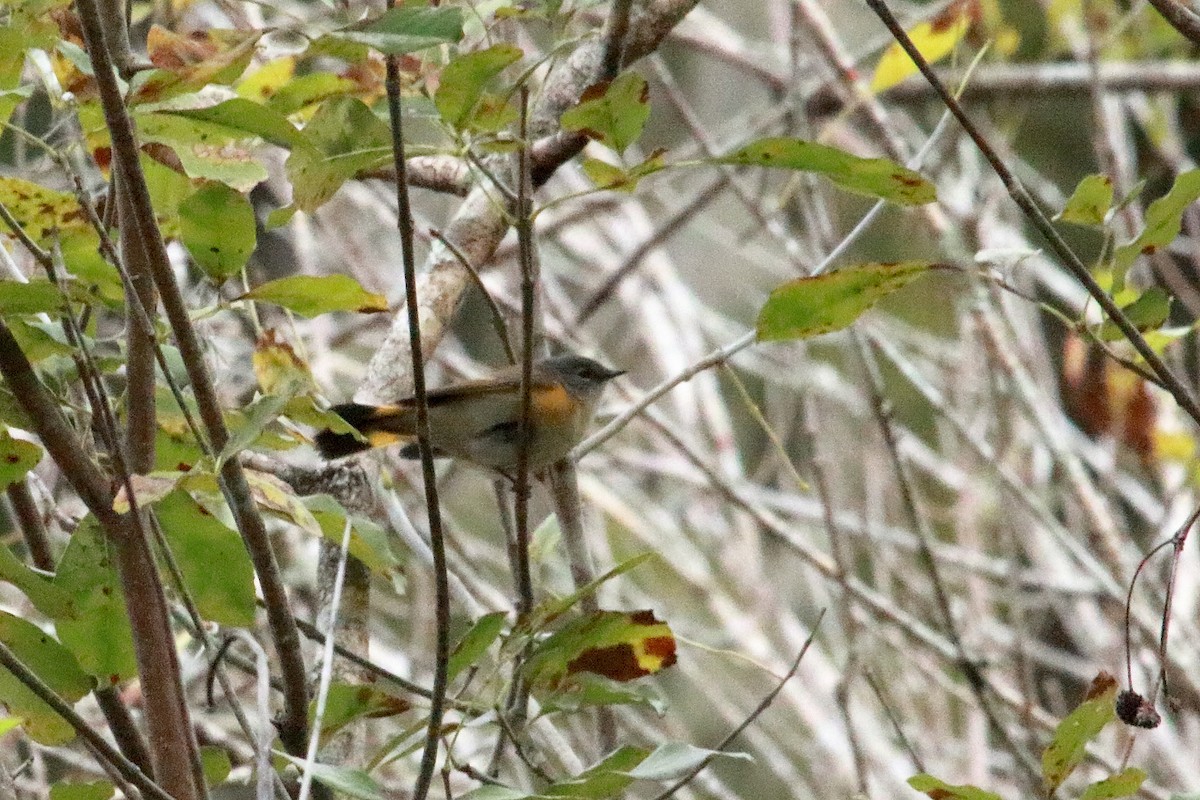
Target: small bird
[(479, 421)]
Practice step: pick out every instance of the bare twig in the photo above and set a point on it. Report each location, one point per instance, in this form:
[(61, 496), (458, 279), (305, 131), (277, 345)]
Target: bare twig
[(749, 720), (437, 542)]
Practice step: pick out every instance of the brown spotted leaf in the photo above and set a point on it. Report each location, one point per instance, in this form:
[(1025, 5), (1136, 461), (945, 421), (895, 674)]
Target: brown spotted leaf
[(940, 790), (874, 177), (1068, 747), (618, 645), (809, 307)]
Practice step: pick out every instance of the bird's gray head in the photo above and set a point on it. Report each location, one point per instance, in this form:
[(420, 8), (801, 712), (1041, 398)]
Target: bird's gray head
[(582, 376)]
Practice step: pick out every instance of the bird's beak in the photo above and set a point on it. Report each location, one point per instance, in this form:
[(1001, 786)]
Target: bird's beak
[(609, 374)]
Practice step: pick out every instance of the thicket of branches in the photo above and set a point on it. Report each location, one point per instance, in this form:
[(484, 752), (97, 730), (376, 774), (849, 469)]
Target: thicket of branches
[(909, 410)]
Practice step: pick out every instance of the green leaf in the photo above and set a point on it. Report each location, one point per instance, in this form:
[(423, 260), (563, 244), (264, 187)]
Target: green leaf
[(35, 297), (311, 295), (98, 631), (1124, 784), (611, 176), (808, 307), (348, 702), (1147, 313), (217, 227), (39, 340), (613, 114), (46, 597), (168, 188), (586, 690), (940, 790), (17, 457), (1163, 220), (308, 89), (406, 29), (254, 420), (608, 778), (673, 760), (206, 150), (874, 177), (199, 542), (1067, 749), (368, 541), (352, 782), (476, 642), (244, 118), (492, 792), (463, 80), (95, 790), (215, 762), (51, 662), (11, 98), (1090, 201), (342, 139)]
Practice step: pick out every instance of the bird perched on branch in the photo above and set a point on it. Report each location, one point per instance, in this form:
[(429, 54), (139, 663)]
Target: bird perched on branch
[(479, 421)]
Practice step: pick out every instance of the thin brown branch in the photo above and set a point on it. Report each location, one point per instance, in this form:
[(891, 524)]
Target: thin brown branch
[(750, 718), (1180, 17), (293, 724), (404, 223), (33, 527)]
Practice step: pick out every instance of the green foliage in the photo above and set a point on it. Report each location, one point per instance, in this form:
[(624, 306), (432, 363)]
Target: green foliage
[(368, 541), (1163, 220), (343, 138), (217, 226), (874, 177), (476, 642), (46, 595), (615, 773), (406, 29), (940, 790), (17, 457), (1090, 201), (1147, 313), (612, 114), (205, 150), (1065, 752), (1125, 783), (619, 645), (460, 94), (1067, 748), (347, 781), (34, 297), (94, 790), (349, 702), (97, 632), (808, 307), (312, 295), (51, 662), (215, 763), (198, 540)]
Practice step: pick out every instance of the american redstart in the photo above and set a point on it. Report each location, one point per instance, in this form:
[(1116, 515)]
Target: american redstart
[(479, 421)]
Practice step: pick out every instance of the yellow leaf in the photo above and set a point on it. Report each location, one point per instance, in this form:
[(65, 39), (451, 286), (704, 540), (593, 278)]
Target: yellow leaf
[(935, 39), (265, 81)]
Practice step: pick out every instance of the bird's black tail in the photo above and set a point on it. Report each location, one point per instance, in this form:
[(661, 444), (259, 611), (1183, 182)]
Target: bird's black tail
[(376, 426)]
